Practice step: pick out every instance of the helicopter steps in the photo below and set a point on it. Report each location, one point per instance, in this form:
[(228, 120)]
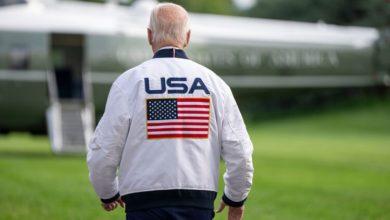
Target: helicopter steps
[(70, 126)]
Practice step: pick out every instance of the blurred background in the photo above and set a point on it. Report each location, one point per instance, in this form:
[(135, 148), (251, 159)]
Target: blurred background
[(311, 79)]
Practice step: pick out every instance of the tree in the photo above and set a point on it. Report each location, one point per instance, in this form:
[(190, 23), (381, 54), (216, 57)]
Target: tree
[(344, 12), (207, 6)]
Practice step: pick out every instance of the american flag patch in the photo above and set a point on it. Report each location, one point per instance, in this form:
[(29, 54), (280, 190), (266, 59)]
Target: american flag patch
[(178, 118)]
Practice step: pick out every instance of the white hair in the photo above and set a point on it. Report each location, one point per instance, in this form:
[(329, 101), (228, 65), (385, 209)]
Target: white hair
[(169, 23)]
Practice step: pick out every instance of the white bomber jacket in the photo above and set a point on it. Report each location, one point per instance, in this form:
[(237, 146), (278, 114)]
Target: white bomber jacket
[(166, 124)]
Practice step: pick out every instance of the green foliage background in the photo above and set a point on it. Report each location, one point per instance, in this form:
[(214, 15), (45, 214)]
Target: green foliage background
[(207, 6), (344, 12)]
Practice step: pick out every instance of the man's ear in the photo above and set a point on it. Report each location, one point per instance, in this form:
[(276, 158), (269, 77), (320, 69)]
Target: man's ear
[(188, 37), (150, 36)]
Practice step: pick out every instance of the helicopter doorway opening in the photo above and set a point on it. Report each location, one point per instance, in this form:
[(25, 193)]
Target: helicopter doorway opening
[(70, 117), (67, 58)]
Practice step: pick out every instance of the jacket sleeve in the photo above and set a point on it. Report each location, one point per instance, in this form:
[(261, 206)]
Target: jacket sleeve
[(237, 153), (105, 148)]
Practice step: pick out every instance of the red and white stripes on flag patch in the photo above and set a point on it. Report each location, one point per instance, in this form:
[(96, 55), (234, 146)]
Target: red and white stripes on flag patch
[(178, 118)]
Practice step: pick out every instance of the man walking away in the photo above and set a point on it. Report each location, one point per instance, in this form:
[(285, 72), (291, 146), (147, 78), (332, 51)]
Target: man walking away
[(166, 124)]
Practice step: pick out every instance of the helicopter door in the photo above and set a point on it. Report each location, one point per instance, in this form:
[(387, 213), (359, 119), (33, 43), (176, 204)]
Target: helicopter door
[(67, 61), (70, 115)]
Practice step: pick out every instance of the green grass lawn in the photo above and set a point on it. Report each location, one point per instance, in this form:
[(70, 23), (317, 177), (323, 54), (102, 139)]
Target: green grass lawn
[(332, 165)]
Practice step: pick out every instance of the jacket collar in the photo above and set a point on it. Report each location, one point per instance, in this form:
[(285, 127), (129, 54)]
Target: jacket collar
[(170, 52)]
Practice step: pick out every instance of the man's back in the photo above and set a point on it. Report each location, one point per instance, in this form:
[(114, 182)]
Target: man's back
[(166, 124), (173, 128), (173, 141)]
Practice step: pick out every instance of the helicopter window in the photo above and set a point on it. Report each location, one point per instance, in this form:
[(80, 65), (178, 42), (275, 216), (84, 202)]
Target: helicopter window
[(19, 58), (12, 2)]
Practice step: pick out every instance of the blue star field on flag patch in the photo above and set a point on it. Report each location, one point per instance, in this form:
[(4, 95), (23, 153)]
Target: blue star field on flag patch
[(162, 109)]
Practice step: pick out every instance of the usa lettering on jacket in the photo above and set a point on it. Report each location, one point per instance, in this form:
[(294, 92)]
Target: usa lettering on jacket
[(121, 145), (176, 85)]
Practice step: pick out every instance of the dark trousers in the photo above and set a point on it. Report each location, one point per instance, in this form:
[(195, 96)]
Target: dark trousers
[(171, 213)]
